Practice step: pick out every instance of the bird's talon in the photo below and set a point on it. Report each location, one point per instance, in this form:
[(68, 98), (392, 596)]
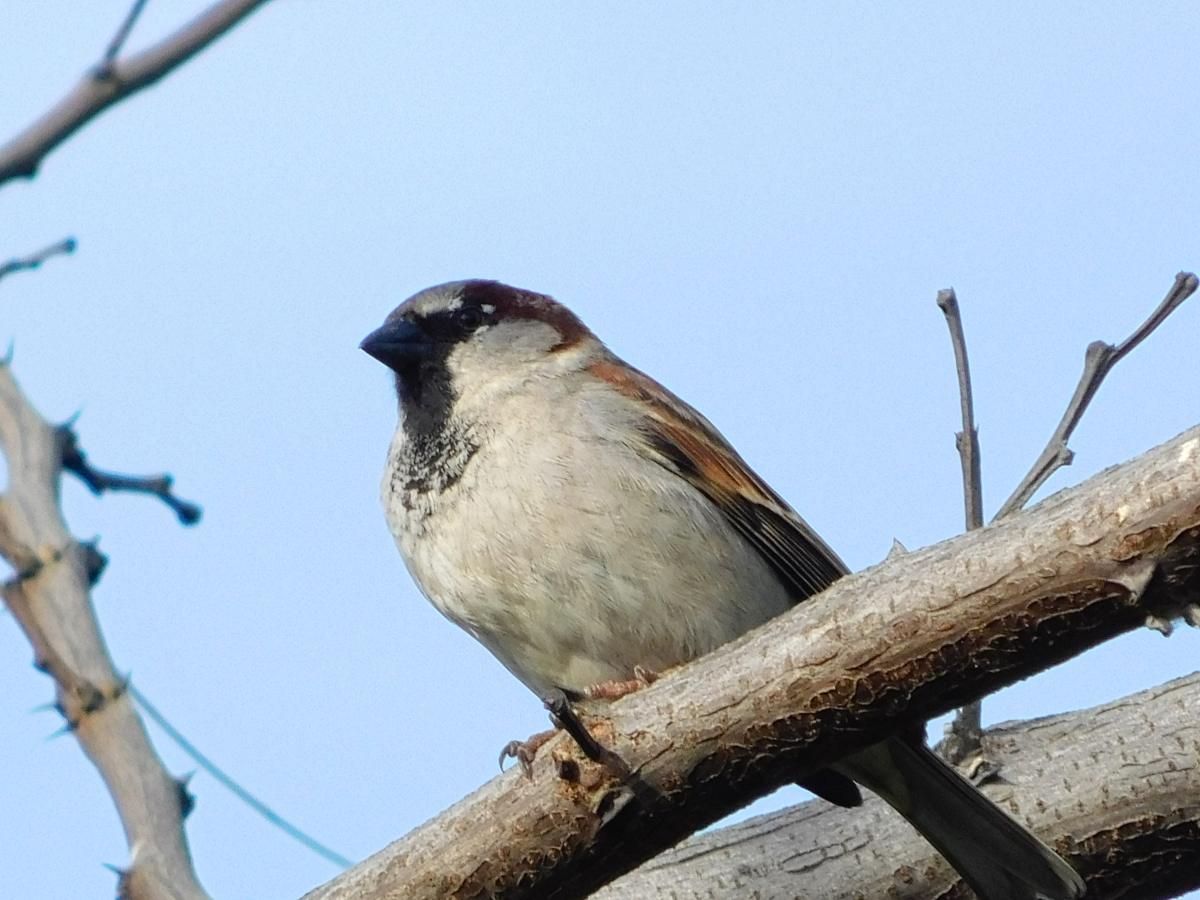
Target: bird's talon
[(615, 690), (524, 752)]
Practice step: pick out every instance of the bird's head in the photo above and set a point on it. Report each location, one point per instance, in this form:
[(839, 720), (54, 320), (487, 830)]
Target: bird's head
[(455, 338)]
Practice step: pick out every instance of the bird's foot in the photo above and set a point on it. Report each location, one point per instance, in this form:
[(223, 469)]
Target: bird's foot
[(524, 752), (615, 690)]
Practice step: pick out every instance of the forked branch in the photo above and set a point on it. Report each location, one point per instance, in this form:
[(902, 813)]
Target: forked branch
[(964, 733), (1098, 362), (48, 597), (112, 79), (75, 461)]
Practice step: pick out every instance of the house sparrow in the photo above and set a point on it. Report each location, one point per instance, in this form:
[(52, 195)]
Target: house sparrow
[(587, 526)]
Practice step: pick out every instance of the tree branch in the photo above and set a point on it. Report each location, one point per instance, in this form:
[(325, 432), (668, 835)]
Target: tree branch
[(48, 597), (112, 80), (1115, 789), (75, 461), (965, 734), (879, 651), (118, 40), (1097, 362), (35, 260), (967, 440)]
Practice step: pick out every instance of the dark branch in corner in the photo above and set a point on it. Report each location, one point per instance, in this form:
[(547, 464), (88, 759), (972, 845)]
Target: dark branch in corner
[(112, 80), (1098, 361), (74, 460), (964, 736), (34, 260)]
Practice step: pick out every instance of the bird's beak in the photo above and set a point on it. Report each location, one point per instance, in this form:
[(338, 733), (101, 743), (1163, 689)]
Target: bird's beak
[(397, 344)]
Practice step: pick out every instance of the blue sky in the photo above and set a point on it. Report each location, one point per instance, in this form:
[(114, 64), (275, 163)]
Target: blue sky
[(755, 204)]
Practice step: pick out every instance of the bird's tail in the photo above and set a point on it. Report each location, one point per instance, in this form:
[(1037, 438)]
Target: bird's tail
[(997, 857)]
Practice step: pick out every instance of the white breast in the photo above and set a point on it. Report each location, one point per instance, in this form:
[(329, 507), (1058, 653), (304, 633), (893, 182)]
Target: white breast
[(568, 554)]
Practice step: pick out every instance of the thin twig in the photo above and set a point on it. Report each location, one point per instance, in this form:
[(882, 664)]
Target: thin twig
[(118, 41), (34, 260), (964, 735), (111, 81), (1098, 361), (967, 440), (74, 460)]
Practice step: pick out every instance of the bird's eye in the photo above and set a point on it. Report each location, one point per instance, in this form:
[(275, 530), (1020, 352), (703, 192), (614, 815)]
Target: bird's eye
[(468, 318)]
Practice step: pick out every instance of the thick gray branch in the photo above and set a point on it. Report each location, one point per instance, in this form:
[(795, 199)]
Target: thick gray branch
[(1115, 789), (112, 81), (879, 651), (48, 596)]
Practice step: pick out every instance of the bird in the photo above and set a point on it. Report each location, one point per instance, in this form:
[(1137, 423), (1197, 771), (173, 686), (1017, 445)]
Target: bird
[(592, 530)]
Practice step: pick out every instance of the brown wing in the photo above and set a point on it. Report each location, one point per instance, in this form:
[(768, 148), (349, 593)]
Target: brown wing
[(685, 442)]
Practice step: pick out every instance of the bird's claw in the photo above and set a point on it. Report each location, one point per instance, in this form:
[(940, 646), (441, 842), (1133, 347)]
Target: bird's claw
[(615, 690), (524, 752)]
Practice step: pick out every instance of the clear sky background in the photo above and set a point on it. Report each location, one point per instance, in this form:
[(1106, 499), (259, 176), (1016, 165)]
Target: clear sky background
[(755, 203)]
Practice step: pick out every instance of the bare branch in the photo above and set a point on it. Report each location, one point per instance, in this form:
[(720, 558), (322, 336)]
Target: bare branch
[(74, 460), (113, 80), (34, 260), (118, 41), (1098, 361), (966, 731), (48, 597), (878, 652), (967, 440)]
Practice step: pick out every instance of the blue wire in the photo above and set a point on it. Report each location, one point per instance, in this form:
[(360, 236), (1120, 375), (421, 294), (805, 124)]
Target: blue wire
[(253, 802)]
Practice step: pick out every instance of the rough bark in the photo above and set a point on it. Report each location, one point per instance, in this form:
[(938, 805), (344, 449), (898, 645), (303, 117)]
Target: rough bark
[(1116, 789), (49, 598), (912, 638)]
